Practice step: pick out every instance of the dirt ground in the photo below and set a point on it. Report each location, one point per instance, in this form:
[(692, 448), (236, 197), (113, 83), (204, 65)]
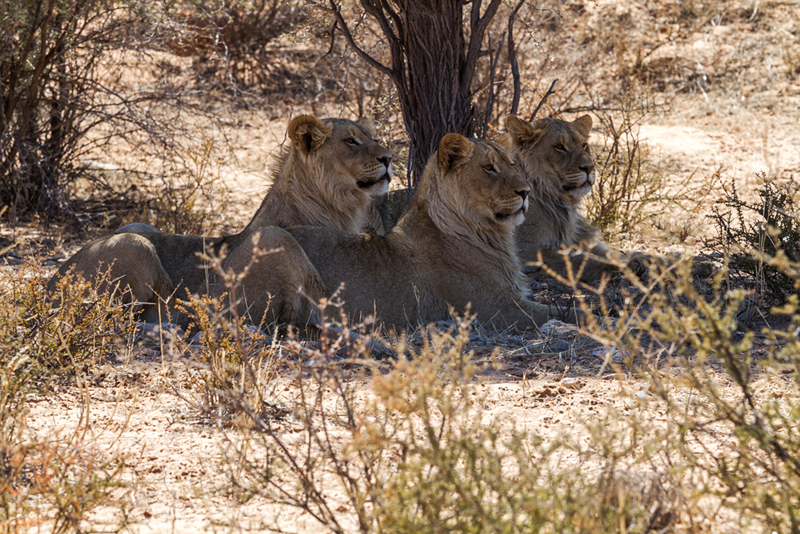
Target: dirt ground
[(174, 461), (173, 457)]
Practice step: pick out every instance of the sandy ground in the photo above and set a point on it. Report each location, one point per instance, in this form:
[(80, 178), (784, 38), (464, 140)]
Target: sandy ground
[(174, 463)]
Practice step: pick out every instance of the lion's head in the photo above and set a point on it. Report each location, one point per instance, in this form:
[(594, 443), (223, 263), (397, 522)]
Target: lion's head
[(326, 175), (473, 190), (346, 152), (556, 160), (555, 154)]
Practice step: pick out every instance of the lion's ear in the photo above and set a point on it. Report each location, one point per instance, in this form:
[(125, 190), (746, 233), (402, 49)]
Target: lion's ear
[(308, 133), (583, 125), (369, 125), (523, 134), (453, 150)]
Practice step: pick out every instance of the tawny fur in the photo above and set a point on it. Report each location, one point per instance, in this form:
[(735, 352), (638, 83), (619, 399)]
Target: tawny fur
[(557, 161), (555, 157), (325, 176), (453, 248)]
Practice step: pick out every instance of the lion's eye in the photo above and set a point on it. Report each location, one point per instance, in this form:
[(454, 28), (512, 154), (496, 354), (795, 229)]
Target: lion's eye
[(490, 168), (560, 148), (351, 141)]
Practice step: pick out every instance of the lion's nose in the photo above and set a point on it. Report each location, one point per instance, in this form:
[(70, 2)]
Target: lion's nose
[(587, 169), (386, 160), (523, 194)]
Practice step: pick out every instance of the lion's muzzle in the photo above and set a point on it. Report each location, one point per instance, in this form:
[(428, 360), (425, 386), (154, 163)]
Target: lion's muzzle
[(375, 174), (579, 183), (367, 183), (511, 211)]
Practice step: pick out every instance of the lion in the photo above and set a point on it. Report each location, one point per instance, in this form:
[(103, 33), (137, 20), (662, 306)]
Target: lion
[(556, 159), (452, 249), (326, 176)]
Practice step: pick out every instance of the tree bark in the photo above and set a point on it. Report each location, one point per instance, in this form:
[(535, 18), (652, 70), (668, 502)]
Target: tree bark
[(432, 65)]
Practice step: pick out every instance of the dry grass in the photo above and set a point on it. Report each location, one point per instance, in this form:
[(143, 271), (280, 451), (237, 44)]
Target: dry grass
[(699, 437), (54, 480)]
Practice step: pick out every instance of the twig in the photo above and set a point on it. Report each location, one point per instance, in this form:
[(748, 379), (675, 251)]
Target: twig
[(377, 65), (323, 56), (512, 57), (544, 98), (490, 100), (787, 214)]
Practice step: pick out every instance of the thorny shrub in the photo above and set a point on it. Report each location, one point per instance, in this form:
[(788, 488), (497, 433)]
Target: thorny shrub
[(747, 232), (413, 451), (730, 397), (64, 68), (50, 54), (230, 357), (60, 477), (54, 480), (231, 37), (62, 334), (191, 199), (630, 183), (230, 354)]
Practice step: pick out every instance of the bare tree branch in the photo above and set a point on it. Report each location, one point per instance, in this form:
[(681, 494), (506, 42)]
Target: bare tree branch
[(323, 56), (478, 25), (487, 114), (544, 98), (396, 20), (349, 36), (395, 35), (512, 58)]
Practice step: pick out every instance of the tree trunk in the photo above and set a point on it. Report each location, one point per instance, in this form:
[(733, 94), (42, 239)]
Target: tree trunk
[(436, 101), (432, 65)]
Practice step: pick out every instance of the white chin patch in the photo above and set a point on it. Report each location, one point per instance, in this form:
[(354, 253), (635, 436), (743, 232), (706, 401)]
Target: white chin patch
[(583, 190), (378, 189), (514, 220)]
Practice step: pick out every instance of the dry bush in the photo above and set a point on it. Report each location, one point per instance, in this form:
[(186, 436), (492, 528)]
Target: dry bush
[(632, 185), (791, 57), (191, 197), (226, 352), (231, 357), (62, 334), (54, 480), (629, 181), (411, 451), (729, 396), (80, 77), (232, 38), (747, 232), (50, 90)]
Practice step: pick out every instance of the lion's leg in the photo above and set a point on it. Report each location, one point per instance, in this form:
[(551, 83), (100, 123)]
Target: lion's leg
[(586, 267), (600, 260), (132, 265), (521, 315), (281, 285), (528, 314), (641, 262)]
